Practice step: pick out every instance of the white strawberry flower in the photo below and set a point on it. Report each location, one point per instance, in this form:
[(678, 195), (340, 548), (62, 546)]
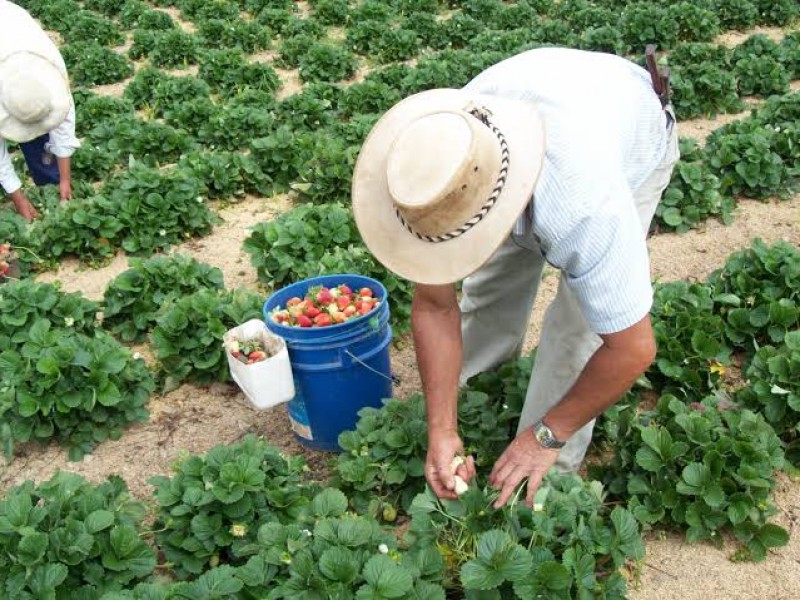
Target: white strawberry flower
[(162, 233), (383, 549), (69, 321), (306, 532), (136, 356)]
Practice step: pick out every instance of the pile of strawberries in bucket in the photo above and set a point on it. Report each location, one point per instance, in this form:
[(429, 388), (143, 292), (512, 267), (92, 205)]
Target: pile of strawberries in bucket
[(324, 306)]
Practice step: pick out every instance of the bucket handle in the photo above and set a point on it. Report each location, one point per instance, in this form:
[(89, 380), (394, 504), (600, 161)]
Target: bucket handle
[(394, 379)]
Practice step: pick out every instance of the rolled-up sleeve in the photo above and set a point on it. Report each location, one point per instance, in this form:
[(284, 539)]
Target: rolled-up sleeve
[(8, 177), (63, 141), (605, 262)]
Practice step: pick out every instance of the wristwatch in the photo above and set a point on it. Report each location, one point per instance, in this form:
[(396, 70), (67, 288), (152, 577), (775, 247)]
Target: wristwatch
[(545, 436)]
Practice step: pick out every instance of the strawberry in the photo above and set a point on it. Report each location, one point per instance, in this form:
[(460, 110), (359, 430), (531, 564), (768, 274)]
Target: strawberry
[(324, 297), (363, 307), (281, 316), (304, 321), (346, 291), (343, 302), (293, 301), (322, 320), (312, 311), (349, 311), (257, 355), (365, 292), (338, 317)]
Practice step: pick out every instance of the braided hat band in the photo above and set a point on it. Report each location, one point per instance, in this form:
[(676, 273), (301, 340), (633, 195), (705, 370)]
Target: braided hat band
[(482, 115)]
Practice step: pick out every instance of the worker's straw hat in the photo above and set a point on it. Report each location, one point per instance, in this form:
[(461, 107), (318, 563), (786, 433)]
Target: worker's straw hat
[(34, 88), (441, 180)]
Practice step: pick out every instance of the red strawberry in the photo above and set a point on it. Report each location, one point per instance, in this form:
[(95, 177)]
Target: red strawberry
[(324, 297), (257, 355), (365, 292), (304, 321), (338, 317), (312, 311), (322, 320), (343, 302), (364, 307), (293, 301), (349, 311), (345, 290)]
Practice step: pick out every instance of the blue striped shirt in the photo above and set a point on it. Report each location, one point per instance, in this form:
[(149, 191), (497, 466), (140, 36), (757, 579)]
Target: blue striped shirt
[(605, 134)]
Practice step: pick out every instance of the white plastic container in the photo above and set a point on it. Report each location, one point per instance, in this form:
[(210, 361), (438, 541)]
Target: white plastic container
[(266, 383)]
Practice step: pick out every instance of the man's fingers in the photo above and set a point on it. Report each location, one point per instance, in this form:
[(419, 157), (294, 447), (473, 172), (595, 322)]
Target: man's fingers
[(503, 473), (534, 481), (509, 485), (438, 488), (471, 471)]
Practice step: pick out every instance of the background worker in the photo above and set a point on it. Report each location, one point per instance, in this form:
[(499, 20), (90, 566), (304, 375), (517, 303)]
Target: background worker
[(36, 107), (552, 156)]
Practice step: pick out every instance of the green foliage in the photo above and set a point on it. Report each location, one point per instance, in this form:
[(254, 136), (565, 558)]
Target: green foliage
[(149, 142), (648, 23), (210, 510), (692, 197), (703, 84), (187, 338), (757, 65), (736, 14), (776, 12), (790, 54), (226, 175), (248, 36), (63, 385), (157, 93), (331, 12), (774, 389), (689, 338), (324, 61), (571, 547), (133, 299), (89, 63), (88, 26), (93, 109), (743, 156), (14, 231), (695, 23), (289, 248), (174, 49), (705, 467), (227, 72), (758, 294), (67, 538)]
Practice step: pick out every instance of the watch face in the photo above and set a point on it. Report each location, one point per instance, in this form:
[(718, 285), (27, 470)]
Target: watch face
[(541, 435)]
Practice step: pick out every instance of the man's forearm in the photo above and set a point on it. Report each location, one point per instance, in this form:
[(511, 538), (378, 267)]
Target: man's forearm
[(608, 374), (64, 169), (437, 339)]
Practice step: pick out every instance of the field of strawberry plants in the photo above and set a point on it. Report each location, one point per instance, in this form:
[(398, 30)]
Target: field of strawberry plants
[(218, 142)]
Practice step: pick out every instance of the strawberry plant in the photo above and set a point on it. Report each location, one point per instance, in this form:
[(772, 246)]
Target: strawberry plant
[(56, 15), (606, 38), (289, 247), (233, 126), (367, 97), (331, 12), (132, 300), (774, 390), (306, 111), (144, 40), (569, 546), (249, 36), (63, 385), (691, 352), (137, 14), (395, 45), (88, 26), (327, 169), (790, 54), (226, 175), (506, 386), (150, 142), (67, 538), (776, 12), (736, 14), (695, 23), (157, 208), (92, 163), (227, 72), (210, 510), (89, 63), (277, 157), (23, 303), (109, 8), (692, 197), (742, 155), (14, 231), (202, 11), (644, 23), (705, 467), (92, 109), (187, 338), (757, 64), (703, 83), (291, 50), (157, 93), (174, 49), (324, 61), (757, 292)]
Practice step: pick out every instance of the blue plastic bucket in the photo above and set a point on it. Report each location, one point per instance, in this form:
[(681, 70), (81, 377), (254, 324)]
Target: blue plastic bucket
[(339, 369)]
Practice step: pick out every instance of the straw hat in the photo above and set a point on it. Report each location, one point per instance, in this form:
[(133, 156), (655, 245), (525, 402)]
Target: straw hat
[(34, 96), (441, 179), (34, 88)]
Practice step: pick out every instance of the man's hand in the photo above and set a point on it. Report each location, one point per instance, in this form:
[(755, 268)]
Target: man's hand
[(65, 190), (443, 447), (23, 205), (524, 458)]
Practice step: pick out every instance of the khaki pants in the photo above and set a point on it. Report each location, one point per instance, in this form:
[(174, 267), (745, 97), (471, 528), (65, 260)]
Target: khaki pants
[(496, 307)]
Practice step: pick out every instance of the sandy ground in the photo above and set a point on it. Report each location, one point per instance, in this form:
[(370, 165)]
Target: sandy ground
[(193, 419)]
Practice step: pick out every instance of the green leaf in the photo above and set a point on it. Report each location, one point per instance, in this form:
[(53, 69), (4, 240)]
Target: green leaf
[(477, 575), (387, 578), (329, 503), (99, 520), (772, 536), (17, 508), (31, 548), (338, 564)]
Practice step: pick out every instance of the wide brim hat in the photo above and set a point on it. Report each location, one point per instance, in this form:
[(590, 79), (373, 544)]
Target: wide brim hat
[(34, 96), (442, 178)]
